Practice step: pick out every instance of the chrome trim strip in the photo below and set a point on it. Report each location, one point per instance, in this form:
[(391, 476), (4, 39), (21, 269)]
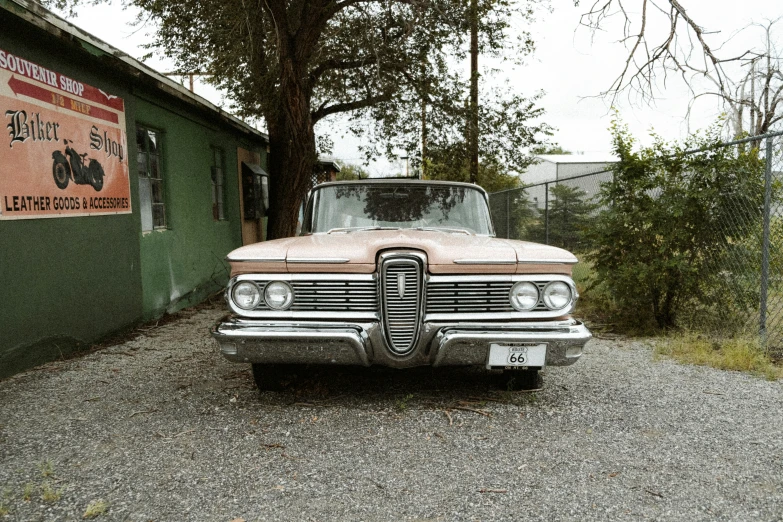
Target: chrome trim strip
[(318, 260), (421, 260), (303, 277), (482, 262), (547, 261), (498, 278), (492, 316), (518, 262), (293, 315), (258, 260), (391, 308)]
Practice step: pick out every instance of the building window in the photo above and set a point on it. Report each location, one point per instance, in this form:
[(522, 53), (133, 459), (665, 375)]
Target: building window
[(218, 184), (151, 202)]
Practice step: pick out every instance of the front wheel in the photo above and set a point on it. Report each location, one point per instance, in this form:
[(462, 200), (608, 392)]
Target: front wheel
[(61, 172), (515, 380)]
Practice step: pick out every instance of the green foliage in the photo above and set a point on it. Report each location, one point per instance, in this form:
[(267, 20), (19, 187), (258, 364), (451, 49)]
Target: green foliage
[(292, 63), (451, 164), (743, 354), (49, 494), (4, 503), (402, 404), (349, 171), (671, 223), (508, 123), (96, 508), (46, 467), (571, 215), (549, 149), (512, 213)]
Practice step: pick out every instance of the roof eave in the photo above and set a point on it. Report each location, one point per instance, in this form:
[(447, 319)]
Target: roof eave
[(46, 20)]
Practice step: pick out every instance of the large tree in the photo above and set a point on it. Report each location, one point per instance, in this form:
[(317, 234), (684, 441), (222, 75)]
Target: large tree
[(438, 141), (293, 63)]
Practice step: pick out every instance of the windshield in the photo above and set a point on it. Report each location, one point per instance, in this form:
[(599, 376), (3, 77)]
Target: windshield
[(384, 205)]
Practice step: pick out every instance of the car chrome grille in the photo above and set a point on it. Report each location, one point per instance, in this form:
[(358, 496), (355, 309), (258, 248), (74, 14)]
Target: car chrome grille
[(401, 286), (474, 297), (330, 296), (335, 296)]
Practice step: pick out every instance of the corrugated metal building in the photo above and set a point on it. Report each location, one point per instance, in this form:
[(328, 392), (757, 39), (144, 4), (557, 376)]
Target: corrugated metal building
[(571, 167)]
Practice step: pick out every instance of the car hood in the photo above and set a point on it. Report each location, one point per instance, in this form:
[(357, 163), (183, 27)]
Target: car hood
[(357, 252)]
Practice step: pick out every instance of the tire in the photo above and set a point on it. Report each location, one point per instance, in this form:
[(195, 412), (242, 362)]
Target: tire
[(96, 175), (272, 377), (514, 380), (61, 172)]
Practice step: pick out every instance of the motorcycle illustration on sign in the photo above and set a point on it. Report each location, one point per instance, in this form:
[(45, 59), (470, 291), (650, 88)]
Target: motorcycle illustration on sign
[(73, 167)]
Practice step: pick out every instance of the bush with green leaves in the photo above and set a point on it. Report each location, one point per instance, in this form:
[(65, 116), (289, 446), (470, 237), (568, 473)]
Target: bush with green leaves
[(570, 216), (672, 224)]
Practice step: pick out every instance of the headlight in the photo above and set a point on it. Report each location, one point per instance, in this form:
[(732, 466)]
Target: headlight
[(246, 295), (523, 296), (278, 295), (557, 295)]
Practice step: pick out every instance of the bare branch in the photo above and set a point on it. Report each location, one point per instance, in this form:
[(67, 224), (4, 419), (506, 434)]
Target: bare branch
[(688, 49), (325, 111)]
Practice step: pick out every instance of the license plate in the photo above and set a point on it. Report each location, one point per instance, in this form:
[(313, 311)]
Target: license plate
[(516, 355)]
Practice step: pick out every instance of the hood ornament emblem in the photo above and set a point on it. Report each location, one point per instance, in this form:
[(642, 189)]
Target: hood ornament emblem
[(401, 285)]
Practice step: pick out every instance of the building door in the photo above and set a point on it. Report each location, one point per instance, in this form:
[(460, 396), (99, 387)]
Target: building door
[(252, 226)]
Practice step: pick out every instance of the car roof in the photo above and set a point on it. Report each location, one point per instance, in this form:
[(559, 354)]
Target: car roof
[(400, 181)]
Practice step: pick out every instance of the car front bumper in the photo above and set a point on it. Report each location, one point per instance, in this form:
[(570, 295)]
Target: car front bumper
[(363, 343)]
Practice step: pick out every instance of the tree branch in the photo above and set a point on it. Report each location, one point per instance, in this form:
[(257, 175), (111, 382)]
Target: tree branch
[(325, 111), (340, 65)]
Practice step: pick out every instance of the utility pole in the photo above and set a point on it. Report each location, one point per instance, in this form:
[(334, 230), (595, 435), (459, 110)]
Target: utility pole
[(424, 136), (473, 126), (190, 76)]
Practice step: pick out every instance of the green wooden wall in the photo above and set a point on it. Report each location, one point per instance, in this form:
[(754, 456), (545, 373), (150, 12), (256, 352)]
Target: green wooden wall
[(67, 282)]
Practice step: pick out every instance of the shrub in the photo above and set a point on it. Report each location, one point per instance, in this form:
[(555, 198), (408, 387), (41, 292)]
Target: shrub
[(671, 221), (570, 215)]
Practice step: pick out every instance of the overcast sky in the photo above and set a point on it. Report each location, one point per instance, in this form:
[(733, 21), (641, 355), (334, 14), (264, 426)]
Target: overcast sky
[(571, 65)]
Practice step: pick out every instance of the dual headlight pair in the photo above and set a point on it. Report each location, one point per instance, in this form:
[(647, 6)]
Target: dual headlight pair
[(524, 295), (277, 295)]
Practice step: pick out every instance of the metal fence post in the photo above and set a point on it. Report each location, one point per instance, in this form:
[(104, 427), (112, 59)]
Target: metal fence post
[(765, 243), (546, 213)]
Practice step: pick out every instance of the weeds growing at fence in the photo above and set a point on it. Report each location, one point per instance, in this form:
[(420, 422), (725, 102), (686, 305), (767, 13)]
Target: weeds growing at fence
[(741, 353)]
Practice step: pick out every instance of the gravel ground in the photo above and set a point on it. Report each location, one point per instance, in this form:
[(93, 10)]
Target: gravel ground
[(162, 428)]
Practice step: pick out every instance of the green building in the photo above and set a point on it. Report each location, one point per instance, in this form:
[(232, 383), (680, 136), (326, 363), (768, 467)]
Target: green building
[(121, 192)]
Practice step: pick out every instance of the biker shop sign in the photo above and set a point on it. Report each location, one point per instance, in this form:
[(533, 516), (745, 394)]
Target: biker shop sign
[(64, 152)]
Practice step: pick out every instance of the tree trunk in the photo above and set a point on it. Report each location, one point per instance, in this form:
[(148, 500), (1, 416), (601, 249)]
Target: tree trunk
[(292, 159)]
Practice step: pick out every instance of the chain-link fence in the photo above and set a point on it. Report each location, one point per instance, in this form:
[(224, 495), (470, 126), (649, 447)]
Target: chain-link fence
[(749, 264)]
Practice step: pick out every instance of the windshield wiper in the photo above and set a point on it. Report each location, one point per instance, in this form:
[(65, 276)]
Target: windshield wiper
[(443, 229), (359, 229)]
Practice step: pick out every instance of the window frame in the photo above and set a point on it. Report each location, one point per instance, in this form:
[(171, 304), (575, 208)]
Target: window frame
[(145, 170), (218, 183)]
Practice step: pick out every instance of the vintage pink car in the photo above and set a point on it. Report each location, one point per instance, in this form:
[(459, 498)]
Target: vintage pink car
[(400, 273)]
